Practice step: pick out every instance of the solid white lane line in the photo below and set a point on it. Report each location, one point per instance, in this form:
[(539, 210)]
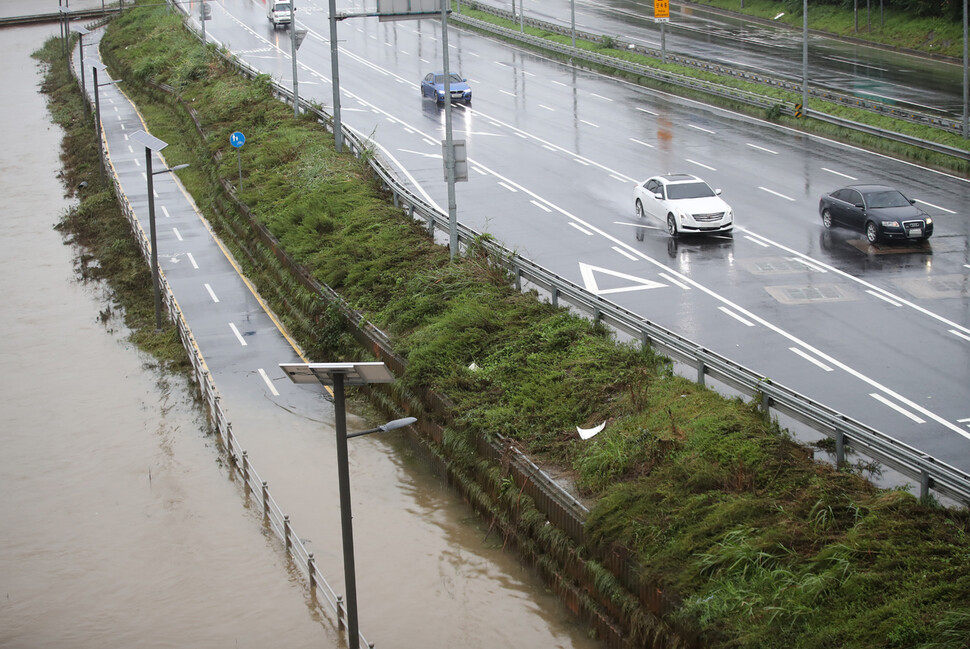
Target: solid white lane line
[(757, 241), (811, 359), (761, 148), (589, 123), (581, 161), (771, 191), (586, 232), (839, 173), (884, 298), (540, 206), (737, 317), (192, 260), (878, 397), (624, 253), (674, 281), (212, 293), (177, 234), (269, 383), (508, 187), (618, 179), (238, 335)]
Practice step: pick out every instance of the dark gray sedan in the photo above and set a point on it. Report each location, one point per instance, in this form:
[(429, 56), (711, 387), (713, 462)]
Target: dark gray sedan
[(882, 212)]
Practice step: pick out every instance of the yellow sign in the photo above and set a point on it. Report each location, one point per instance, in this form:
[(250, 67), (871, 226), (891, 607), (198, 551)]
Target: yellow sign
[(661, 10)]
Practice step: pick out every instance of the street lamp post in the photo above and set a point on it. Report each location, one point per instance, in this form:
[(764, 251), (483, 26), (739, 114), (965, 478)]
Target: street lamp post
[(81, 31), (153, 145), (338, 375), (95, 67)]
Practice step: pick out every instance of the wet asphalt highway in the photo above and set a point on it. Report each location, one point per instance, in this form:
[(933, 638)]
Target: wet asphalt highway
[(894, 77), (881, 334)]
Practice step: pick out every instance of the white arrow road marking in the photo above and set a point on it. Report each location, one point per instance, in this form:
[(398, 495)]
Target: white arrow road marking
[(591, 285)]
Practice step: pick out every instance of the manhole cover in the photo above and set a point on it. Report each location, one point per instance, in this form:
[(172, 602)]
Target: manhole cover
[(810, 294)]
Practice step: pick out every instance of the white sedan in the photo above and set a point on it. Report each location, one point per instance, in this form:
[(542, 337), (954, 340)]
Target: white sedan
[(685, 203)]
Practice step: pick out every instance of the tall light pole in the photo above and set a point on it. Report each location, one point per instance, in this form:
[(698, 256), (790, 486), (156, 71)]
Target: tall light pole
[(804, 57), (81, 31), (296, 92), (95, 67), (335, 78), (965, 133), (153, 145), (338, 375), (449, 140)]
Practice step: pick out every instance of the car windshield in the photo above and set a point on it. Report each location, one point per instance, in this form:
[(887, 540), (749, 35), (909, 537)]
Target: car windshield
[(282, 6), (889, 198), (689, 190), (440, 78)]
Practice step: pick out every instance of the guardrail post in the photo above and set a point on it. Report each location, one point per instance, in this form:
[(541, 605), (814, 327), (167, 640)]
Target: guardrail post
[(839, 447), (597, 316), (245, 472), (701, 370), (265, 499), (555, 297), (340, 613), (766, 404), (311, 571), (518, 279), (287, 542), (924, 486), (644, 339)]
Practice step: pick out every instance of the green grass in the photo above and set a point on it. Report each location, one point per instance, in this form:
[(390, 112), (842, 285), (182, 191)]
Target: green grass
[(717, 505), (896, 29)]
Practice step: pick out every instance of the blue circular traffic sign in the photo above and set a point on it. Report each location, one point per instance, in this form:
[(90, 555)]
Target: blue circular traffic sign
[(237, 139)]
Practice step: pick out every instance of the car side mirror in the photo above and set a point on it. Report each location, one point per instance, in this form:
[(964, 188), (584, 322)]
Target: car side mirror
[(912, 201), (659, 197), (717, 192), (860, 206)]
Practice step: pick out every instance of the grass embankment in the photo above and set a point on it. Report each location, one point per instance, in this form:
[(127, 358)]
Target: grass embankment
[(784, 98), (889, 27), (766, 547), (107, 251)]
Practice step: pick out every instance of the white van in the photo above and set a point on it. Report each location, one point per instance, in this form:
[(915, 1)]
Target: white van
[(278, 13)]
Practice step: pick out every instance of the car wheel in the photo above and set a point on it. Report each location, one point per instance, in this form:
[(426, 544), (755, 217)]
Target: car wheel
[(671, 225), (872, 232), (827, 217), (639, 208)]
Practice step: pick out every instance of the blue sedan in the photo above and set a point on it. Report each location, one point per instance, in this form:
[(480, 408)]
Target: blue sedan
[(433, 85)]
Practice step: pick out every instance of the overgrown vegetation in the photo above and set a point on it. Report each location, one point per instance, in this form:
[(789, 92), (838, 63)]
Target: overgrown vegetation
[(931, 26), (766, 547)]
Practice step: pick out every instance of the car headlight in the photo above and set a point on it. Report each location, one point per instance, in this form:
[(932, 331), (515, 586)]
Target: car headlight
[(683, 214), (929, 221), (890, 224)]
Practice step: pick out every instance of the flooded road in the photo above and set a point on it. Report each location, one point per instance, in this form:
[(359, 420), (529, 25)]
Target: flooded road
[(121, 526)]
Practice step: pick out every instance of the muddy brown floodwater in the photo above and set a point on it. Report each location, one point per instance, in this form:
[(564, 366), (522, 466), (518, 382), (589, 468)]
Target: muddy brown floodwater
[(121, 526)]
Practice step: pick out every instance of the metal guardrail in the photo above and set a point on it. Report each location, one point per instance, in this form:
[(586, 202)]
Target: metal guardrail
[(700, 85), (848, 434), (253, 484), (793, 85)]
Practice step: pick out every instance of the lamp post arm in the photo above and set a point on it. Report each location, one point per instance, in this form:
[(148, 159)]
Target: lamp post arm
[(391, 425)]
